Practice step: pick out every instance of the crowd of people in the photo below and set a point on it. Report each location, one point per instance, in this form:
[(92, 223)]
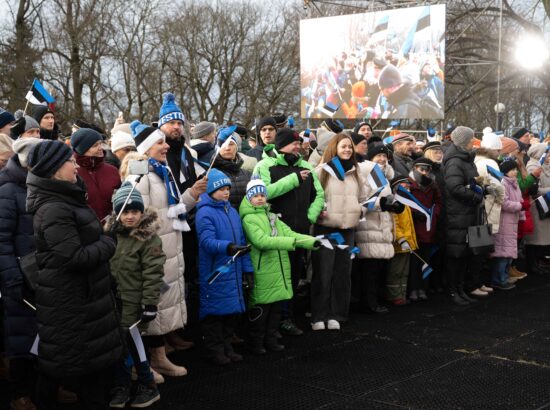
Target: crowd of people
[(112, 245)]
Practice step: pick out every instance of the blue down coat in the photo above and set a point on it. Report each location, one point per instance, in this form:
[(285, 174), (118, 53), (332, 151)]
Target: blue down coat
[(218, 225), (16, 240)]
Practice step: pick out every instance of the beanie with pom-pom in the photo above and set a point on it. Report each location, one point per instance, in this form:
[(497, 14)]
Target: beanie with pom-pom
[(169, 110)]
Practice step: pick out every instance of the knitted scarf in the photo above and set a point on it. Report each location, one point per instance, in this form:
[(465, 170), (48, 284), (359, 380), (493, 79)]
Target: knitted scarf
[(163, 172)]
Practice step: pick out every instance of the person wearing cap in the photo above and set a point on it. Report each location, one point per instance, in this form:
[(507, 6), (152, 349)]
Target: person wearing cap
[(538, 241), (221, 240), (24, 126), (6, 121), (137, 267), (404, 241), (266, 130), (425, 189), (160, 191), (16, 240), (404, 103), (295, 193), (43, 114), (78, 325), (360, 146), (280, 120), (403, 149), (344, 194), (363, 128), (463, 200), (271, 240), (101, 179), (121, 143), (203, 140), (523, 135), (231, 164)]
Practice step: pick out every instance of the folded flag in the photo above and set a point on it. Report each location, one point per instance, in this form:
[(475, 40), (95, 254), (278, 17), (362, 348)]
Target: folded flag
[(495, 172), (224, 134), (376, 178), (353, 252), (39, 96), (426, 270), (543, 206), (138, 342), (337, 237), (406, 198), (324, 242), (334, 167), (222, 269), (543, 158)]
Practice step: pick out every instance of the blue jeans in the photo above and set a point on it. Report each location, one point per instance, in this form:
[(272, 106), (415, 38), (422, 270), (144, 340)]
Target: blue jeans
[(499, 270), (123, 370)]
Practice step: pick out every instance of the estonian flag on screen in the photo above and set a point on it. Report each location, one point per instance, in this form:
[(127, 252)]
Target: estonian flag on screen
[(382, 24)]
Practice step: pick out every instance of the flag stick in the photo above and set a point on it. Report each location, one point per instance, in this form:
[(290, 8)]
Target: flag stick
[(419, 257), (26, 106)]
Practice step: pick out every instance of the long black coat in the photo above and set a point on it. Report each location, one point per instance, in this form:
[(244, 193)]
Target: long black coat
[(77, 320), (16, 240), (239, 178), (462, 203)]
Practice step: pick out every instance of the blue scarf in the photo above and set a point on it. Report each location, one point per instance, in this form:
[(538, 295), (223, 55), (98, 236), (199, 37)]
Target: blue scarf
[(162, 170)]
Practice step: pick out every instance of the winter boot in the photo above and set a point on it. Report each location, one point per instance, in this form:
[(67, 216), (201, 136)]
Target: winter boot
[(162, 365)]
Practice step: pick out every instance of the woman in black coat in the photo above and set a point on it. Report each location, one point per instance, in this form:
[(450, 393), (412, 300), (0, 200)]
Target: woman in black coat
[(16, 240), (78, 324), (462, 199)]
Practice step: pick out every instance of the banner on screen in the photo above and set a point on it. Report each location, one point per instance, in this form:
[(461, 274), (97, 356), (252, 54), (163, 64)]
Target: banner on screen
[(386, 64)]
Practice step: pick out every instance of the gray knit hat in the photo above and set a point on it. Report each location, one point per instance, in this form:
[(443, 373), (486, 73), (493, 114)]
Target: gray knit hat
[(461, 136), (389, 77), (202, 129), (135, 201), (46, 158), (22, 147)]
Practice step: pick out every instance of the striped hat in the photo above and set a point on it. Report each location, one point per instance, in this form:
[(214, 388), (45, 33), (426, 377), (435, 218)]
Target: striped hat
[(144, 136), (47, 157), (135, 201)]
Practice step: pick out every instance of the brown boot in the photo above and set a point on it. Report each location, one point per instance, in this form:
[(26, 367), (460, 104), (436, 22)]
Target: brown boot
[(22, 403), (177, 342), (66, 396), (514, 272), (162, 365)]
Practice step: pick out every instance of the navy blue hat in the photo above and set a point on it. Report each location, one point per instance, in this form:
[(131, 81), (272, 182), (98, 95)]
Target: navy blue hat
[(83, 139), (216, 180), (47, 157), (520, 133), (6, 118)]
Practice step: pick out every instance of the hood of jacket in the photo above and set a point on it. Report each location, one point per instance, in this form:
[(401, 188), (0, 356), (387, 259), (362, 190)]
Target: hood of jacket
[(454, 152), (44, 190), (149, 225), (206, 200), (13, 172)]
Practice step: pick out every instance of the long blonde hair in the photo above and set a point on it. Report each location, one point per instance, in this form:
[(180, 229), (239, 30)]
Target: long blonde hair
[(331, 151)]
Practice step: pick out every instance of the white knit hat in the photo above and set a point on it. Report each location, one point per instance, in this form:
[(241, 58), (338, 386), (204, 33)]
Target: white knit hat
[(490, 140), (254, 187), (22, 147), (121, 139)]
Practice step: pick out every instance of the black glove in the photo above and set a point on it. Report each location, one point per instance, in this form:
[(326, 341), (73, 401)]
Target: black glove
[(232, 249), (248, 280), (533, 190), (393, 206), (148, 313), (18, 126)]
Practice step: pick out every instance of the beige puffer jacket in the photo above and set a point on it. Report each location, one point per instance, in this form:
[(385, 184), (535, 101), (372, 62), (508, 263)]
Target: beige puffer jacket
[(374, 234), (493, 203), (343, 199)]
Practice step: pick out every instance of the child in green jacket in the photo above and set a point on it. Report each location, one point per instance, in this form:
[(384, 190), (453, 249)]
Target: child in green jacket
[(137, 266), (271, 239)]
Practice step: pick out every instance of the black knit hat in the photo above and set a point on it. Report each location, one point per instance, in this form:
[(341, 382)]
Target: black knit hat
[(357, 138), (423, 161), (399, 179), (507, 166), (38, 112), (359, 125), (432, 145), (280, 119), (375, 147), (286, 136), (520, 133), (83, 139), (265, 121), (47, 157)]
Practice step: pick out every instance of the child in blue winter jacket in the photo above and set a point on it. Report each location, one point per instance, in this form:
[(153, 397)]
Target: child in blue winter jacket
[(221, 238)]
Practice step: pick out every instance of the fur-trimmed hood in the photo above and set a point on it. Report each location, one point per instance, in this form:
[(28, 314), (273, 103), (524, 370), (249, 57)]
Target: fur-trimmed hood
[(148, 226)]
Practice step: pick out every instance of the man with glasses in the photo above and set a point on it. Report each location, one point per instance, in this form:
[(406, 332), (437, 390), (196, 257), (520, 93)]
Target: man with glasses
[(266, 129)]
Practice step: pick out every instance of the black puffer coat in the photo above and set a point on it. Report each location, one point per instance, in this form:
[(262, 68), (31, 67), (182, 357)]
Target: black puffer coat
[(77, 320), (239, 178), (462, 202), (16, 240)]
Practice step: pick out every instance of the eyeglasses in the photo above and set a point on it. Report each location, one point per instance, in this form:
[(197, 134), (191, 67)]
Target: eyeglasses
[(72, 161)]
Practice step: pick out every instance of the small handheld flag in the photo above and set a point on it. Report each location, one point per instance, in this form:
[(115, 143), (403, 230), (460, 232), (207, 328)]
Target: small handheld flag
[(543, 158), (406, 198), (495, 172), (376, 178), (222, 269), (334, 167), (39, 96)]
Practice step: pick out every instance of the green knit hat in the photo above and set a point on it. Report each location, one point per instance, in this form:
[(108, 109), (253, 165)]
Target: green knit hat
[(135, 201)]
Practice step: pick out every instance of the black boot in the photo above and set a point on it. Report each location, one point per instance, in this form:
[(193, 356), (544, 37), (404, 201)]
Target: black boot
[(467, 298), (457, 300)]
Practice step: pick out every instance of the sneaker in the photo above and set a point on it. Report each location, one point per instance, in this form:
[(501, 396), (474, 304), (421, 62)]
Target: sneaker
[(120, 395), (234, 357), (506, 286), (381, 309), (422, 295), (275, 347), (289, 328), (413, 296), (486, 289), (145, 396), (318, 326), (333, 325), (457, 300), (479, 292), (220, 359), (514, 272)]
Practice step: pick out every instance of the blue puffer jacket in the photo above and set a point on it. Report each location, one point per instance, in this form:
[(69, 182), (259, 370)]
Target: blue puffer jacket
[(16, 240), (218, 225)]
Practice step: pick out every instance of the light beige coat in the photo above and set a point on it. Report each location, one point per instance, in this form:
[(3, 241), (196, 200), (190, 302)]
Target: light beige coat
[(493, 203)]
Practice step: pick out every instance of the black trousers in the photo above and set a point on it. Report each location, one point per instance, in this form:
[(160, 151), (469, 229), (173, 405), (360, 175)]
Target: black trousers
[(464, 272), (263, 322), (366, 275), (297, 266), (92, 390), (218, 333), (22, 377)]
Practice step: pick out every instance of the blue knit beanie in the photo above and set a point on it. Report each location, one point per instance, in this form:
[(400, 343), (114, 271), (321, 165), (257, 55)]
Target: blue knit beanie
[(135, 201), (169, 110), (83, 139), (216, 180), (6, 118)]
